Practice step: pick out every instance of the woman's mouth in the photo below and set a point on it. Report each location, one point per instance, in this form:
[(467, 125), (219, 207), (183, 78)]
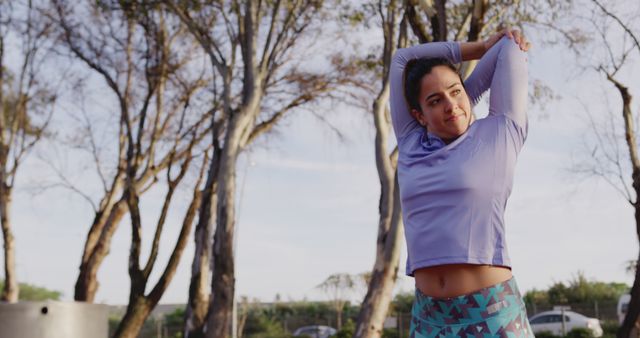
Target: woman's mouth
[(454, 117)]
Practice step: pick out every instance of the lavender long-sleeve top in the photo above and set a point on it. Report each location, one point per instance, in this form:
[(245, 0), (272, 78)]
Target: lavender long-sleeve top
[(453, 196)]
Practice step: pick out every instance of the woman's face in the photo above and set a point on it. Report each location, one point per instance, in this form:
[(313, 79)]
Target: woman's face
[(446, 111)]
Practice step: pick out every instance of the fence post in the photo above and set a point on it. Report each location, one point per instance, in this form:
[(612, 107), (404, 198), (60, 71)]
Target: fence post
[(159, 327)]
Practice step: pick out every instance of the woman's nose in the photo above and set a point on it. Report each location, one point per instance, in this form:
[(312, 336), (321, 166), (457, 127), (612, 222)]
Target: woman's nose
[(448, 104)]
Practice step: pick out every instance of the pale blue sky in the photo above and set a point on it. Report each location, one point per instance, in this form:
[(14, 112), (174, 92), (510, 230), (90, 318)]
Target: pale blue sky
[(309, 206)]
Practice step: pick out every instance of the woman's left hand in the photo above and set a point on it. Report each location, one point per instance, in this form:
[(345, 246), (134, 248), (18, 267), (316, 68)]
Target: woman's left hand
[(519, 38), (512, 34)]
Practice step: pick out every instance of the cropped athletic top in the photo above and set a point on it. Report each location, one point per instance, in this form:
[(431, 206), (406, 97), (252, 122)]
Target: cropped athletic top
[(453, 196)]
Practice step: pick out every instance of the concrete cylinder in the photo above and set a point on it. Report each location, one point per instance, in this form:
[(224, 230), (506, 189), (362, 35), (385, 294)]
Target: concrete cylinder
[(52, 319)]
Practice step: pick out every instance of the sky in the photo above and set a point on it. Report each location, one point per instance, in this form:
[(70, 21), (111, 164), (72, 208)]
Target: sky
[(308, 204)]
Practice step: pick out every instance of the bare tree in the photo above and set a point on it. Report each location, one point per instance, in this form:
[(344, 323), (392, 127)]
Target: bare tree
[(26, 106), (199, 288), (133, 52), (339, 287), (251, 48), (381, 281), (159, 129), (141, 303), (610, 158)]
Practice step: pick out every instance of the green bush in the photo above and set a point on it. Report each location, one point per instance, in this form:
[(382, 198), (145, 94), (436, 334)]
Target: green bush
[(173, 323), (261, 325), (347, 331), (390, 333), (609, 328), (580, 332), (113, 323), (34, 293), (546, 334)]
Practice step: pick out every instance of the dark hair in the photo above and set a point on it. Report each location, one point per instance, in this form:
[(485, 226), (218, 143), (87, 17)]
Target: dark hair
[(414, 72)]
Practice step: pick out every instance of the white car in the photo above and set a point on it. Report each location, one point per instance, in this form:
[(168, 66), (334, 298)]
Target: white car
[(315, 331), (551, 321)]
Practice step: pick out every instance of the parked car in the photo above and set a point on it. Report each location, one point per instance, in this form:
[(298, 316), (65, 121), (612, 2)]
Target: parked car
[(315, 331), (623, 305), (551, 321)]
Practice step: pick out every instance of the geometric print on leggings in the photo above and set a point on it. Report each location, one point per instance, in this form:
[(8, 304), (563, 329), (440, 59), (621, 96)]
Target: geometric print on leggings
[(495, 311)]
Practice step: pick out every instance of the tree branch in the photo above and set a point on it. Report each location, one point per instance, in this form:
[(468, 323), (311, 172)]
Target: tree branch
[(415, 21), (622, 24)]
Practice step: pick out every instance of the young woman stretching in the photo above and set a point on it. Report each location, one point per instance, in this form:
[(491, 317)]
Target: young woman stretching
[(455, 175)]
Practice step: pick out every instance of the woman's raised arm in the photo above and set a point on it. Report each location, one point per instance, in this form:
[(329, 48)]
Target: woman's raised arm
[(401, 119), (503, 69)]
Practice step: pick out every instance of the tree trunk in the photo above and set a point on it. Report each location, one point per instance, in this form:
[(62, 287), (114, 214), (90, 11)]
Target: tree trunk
[(634, 305), (199, 291), (137, 312), (375, 305), (477, 19), (11, 288), (87, 282), (475, 28), (219, 319), (223, 281)]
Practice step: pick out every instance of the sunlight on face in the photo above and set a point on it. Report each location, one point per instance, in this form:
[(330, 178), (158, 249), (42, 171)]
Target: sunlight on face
[(446, 110)]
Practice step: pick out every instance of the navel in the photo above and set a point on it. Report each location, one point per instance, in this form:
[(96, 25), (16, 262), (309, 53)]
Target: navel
[(442, 283)]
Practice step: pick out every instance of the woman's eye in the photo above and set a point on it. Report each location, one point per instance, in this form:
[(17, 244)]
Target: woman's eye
[(434, 102), (456, 92)]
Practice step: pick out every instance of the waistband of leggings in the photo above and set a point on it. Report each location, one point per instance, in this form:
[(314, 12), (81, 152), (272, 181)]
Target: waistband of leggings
[(489, 300)]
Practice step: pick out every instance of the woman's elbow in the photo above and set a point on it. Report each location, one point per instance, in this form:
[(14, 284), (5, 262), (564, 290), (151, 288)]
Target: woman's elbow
[(400, 56)]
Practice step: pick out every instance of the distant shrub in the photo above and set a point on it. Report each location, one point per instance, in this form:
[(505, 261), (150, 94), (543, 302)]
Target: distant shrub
[(34, 293), (261, 325), (609, 328), (347, 331), (580, 332), (390, 333), (546, 334)]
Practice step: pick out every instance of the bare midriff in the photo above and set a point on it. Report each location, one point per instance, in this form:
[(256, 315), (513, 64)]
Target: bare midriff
[(451, 280)]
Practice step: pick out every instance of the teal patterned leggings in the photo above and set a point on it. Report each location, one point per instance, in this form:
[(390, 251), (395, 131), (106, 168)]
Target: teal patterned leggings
[(495, 311)]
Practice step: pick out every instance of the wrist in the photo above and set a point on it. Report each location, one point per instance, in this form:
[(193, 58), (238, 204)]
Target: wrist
[(473, 50), (486, 45)]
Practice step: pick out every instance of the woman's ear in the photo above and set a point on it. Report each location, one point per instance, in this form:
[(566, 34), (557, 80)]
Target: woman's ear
[(418, 116)]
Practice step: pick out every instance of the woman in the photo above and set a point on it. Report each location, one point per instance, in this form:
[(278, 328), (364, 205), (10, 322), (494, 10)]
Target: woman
[(455, 175)]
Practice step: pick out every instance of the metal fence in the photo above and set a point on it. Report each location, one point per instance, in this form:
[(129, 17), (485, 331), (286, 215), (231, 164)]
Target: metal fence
[(396, 325), (605, 311)]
